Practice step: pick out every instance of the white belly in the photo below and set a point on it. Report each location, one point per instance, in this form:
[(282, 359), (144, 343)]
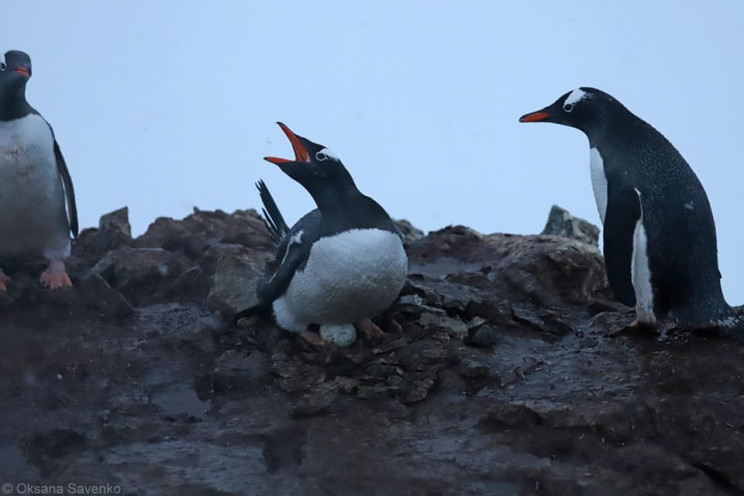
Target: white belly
[(599, 182), (641, 273), (348, 277), (33, 219)]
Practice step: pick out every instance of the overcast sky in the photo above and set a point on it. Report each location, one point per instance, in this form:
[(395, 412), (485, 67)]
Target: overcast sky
[(167, 105)]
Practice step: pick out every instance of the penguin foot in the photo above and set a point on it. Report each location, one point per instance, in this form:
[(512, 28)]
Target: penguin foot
[(312, 337), (55, 276), (369, 328), (4, 280)]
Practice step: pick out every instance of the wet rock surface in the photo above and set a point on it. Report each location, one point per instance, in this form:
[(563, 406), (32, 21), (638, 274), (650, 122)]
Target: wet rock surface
[(506, 368)]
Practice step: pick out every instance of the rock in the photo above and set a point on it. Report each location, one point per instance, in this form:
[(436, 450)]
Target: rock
[(454, 327), (562, 223), (509, 416), (139, 273), (408, 231), (235, 371), (118, 220), (314, 403), (235, 282), (340, 335), (483, 337), (113, 232), (200, 231), (97, 293)]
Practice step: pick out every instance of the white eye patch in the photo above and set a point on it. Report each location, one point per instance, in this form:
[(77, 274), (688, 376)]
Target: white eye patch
[(573, 98), (3, 65), (325, 154)]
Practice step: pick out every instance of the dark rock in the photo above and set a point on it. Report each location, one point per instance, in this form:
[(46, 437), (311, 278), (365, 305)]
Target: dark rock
[(483, 336), (55, 444), (96, 292), (562, 223), (314, 403), (235, 282), (509, 416), (113, 232), (139, 273), (202, 230), (235, 371)]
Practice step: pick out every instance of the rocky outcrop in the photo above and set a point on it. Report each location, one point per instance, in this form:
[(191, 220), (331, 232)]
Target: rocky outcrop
[(506, 368)]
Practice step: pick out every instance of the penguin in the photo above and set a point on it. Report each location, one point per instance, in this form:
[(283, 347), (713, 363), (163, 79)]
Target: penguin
[(341, 263), (659, 234), (38, 214)]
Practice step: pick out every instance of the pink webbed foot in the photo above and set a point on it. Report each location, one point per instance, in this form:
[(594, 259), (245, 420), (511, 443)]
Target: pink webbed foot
[(4, 280), (369, 328), (312, 337), (55, 275)]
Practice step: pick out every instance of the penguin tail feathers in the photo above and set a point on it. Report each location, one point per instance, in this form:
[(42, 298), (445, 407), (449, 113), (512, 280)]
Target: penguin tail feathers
[(734, 328), (273, 218)]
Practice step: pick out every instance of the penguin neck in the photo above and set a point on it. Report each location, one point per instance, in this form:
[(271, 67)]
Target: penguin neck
[(610, 126), (13, 105), (335, 201)]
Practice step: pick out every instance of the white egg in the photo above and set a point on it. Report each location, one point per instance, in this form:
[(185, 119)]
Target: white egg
[(343, 335)]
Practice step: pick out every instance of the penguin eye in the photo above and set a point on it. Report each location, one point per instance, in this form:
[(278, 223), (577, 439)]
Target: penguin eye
[(325, 154), (568, 107), (3, 66)]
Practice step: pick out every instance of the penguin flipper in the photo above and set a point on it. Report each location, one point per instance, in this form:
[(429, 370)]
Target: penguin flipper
[(64, 174), (623, 212), (273, 218), (291, 255), (295, 254)]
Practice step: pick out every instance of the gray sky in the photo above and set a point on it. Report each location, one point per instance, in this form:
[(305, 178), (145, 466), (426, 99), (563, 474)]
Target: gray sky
[(167, 105)]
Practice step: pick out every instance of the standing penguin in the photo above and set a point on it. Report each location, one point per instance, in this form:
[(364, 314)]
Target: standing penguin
[(37, 202), (659, 234), (342, 263)]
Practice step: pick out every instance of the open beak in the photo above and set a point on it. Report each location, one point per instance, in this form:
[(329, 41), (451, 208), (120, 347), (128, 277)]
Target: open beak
[(24, 71), (300, 152), (534, 117)]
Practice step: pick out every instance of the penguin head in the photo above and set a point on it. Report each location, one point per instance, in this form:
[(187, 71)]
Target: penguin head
[(315, 167), (15, 71), (583, 108)]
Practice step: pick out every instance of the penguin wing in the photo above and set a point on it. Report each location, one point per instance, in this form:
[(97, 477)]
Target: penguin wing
[(69, 190), (292, 253), (623, 212)]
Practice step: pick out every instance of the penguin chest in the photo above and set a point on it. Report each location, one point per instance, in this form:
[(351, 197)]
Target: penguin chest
[(347, 277), (599, 182), (31, 195)]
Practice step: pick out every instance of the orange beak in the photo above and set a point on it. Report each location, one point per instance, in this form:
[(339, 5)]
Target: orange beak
[(23, 71), (534, 117), (300, 152)]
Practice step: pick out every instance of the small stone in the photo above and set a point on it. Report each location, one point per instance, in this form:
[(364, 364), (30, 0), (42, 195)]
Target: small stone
[(484, 337), (342, 335)]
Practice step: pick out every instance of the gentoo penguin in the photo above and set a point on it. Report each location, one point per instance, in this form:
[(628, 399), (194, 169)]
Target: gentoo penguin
[(37, 202), (343, 262), (659, 234)]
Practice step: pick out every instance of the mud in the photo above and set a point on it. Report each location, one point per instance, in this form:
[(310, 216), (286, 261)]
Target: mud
[(507, 369)]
